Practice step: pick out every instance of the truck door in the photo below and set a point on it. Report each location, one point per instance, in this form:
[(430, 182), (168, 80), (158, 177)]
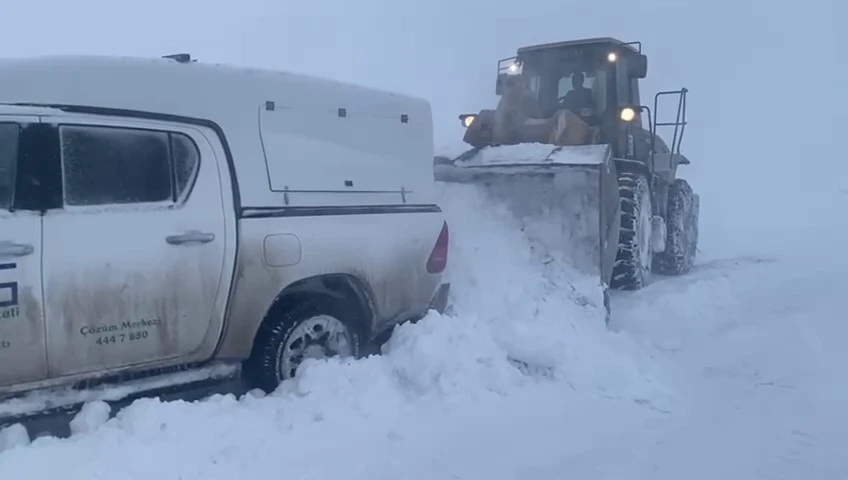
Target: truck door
[(22, 335), (134, 257)]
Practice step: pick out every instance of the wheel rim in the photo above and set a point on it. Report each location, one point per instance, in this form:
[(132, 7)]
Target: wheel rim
[(322, 336)]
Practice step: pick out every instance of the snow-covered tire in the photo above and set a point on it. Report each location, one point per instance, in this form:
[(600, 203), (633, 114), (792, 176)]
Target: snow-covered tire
[(682, 231), (632, 268), (319, 325)]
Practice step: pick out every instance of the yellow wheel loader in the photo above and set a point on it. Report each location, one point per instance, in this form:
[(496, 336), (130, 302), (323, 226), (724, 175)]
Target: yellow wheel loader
[(567, 138)]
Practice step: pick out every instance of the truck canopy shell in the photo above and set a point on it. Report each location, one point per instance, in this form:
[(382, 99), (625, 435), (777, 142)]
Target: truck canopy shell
[(296, 140)]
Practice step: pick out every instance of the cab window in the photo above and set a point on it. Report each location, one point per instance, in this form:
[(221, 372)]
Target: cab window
[(594, 80)]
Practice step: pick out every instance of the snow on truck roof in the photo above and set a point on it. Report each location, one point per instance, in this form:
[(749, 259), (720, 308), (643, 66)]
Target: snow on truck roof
[(242, 100), (164, 85), (579, 42)]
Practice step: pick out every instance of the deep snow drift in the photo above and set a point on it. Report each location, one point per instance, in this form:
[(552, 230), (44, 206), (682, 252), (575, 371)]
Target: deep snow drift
[(731, 371)]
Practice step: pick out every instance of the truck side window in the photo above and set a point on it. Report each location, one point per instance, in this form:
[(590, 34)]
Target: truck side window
[(9, 135), (109, 165)]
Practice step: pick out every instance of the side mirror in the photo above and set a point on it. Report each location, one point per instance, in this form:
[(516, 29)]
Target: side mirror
[(638, 66)]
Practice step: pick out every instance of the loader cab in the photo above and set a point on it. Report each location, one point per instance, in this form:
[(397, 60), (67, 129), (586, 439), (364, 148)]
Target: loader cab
[(595, 79)]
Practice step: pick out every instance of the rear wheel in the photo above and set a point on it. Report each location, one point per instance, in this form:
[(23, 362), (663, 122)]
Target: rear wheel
[(633, 262), (310, 328), (682, 227)]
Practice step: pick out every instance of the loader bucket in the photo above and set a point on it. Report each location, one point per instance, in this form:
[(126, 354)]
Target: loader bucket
[(566, 196)]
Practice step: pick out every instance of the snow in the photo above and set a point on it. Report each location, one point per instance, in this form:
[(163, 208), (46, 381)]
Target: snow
[(92, 415)]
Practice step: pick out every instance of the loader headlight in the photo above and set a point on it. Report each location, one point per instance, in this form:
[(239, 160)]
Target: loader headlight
[(612, 57), (627, 114), (467, 119)]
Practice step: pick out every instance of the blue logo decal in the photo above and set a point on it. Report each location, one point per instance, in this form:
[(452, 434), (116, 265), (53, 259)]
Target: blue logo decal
[(12, 287)]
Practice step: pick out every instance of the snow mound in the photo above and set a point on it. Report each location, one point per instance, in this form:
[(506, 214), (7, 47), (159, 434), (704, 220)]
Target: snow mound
[(535, 305)]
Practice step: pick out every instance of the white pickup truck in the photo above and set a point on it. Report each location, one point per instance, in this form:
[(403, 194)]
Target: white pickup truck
[(161, 214)]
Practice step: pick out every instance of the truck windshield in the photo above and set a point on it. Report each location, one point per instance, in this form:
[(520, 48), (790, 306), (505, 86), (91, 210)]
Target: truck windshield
[(8, 161)]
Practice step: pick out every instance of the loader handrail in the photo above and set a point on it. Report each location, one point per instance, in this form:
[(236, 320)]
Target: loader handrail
[(679, 122), (501, 68), (503, 71)]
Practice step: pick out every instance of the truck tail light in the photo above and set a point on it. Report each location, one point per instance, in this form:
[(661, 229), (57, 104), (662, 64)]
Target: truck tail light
[(439, 256)]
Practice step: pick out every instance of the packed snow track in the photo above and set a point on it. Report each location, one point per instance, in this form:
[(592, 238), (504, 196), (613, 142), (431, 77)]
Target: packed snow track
[(731, 371)]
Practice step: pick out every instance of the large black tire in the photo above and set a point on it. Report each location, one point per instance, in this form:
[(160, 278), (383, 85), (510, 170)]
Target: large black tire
[(632, 268), (265, 368), (681, 245)]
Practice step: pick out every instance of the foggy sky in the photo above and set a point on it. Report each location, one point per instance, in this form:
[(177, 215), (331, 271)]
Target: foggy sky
[(750, 65)]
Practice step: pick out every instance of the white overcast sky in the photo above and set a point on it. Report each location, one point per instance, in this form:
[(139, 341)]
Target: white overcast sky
[(750, 64)]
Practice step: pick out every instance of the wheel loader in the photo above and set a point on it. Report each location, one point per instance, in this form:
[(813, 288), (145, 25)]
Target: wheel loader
[(567, 139)]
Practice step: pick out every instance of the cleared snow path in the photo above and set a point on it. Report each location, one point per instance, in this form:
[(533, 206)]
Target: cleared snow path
[(732, 371)]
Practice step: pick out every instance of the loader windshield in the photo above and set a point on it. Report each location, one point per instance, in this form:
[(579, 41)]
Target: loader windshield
[(577, 84)]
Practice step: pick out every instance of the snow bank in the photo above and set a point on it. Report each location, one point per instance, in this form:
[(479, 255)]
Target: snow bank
[(508, 275), (517, 331)]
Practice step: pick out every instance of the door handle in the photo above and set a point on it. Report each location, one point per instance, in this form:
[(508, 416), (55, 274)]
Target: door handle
[(11, 249), (190, 237)]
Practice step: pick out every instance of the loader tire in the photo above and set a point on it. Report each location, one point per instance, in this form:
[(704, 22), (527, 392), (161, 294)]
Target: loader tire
[(632, 268), (682, 227)]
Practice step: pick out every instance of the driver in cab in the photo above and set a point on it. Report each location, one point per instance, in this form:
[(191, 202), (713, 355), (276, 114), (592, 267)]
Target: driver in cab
[(579, 98)]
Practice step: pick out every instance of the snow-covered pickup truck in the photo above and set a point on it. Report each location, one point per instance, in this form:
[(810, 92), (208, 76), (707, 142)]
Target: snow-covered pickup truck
[(157, 215)]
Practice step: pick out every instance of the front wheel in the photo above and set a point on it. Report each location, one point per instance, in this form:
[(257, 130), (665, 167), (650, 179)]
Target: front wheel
[(632, 268), (311, 328)]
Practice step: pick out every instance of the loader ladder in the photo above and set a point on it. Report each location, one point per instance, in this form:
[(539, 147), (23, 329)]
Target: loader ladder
[(679, 122)]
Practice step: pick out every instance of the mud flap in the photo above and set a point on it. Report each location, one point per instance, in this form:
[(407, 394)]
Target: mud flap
[(565, 196)]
